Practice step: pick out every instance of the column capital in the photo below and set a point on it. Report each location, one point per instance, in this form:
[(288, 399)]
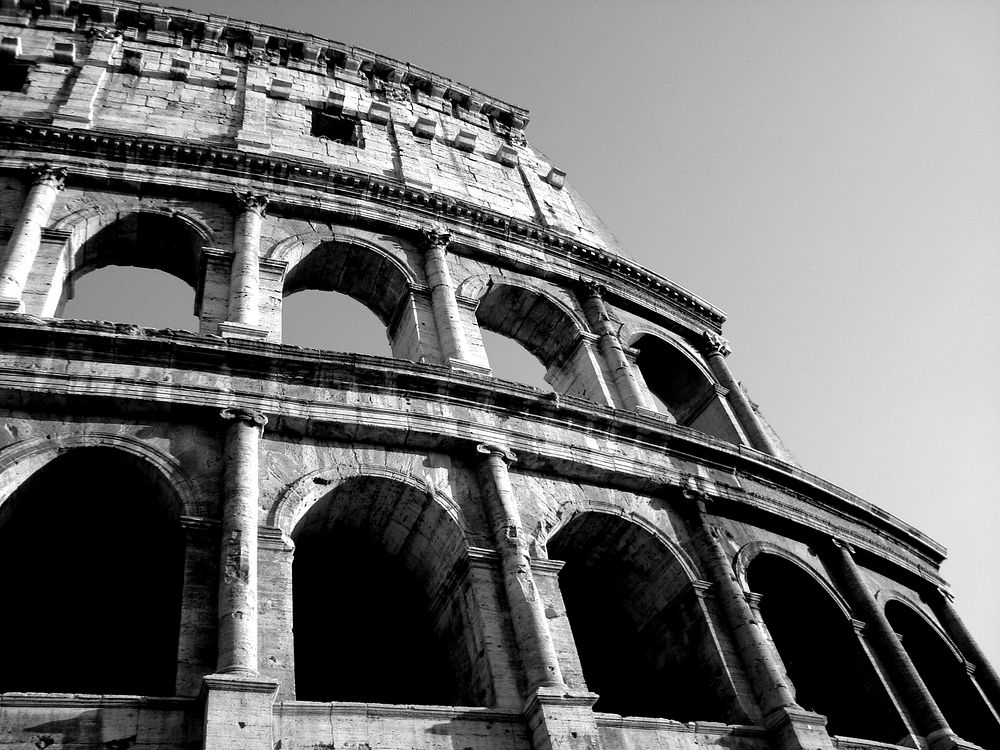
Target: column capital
[(48, 175), (249, 201), (593, 288), (945, 594), (841, 544), (713, 343), (248, 416), (436, 235), (489, 449)]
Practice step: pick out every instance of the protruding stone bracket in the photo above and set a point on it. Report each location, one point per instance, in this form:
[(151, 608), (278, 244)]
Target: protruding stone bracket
[(490, 449), (556, 178), (10, 49)]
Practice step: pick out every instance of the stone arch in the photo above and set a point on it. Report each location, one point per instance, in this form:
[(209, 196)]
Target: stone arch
[(824, 658), (643, 631), (382, 543), (105, 580), (944, 672), (746, 554), (885, 596), (357, 264), (22, 459)]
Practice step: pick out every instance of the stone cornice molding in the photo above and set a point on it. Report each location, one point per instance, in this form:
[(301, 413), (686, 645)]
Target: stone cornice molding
[(207, 158)]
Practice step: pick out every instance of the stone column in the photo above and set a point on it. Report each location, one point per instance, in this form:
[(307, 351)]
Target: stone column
[(985, 674), (791, 727), (630, 395), (538, 655), (716, 349), (238, 560), (446, 315), (46, 182), (922, 706), (244, 284)]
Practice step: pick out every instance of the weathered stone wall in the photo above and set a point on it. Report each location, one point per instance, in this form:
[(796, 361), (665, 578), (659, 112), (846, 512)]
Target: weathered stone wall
[(508, 512)]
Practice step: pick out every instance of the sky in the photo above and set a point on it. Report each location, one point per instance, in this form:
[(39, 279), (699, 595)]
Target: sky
[(826, 173)]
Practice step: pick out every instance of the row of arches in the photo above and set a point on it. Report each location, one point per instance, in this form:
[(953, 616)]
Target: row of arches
[(349, 291), (384, 610)]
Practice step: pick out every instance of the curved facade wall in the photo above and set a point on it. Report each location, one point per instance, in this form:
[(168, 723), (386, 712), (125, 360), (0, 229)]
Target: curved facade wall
[(217, 540)]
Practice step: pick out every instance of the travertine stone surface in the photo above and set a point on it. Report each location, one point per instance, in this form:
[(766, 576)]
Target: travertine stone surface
[(638, 578)]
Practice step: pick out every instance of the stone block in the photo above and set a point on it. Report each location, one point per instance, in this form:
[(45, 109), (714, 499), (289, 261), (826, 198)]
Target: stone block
[(424, 127), (556, 178), (228, 76), (379, 112), (335, 100), (280, 88), (507, 156), (180, 68), (64, 53), (465, 140), (10, 48)]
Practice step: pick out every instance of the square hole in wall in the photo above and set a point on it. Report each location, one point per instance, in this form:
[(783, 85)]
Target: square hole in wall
[(13, 77), (337, 127)]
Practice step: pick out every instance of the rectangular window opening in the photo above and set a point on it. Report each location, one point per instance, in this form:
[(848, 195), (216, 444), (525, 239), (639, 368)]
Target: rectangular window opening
[(13, 77), (337, 127)]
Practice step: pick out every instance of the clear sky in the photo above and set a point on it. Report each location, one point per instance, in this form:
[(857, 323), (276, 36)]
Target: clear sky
[(826, 173)]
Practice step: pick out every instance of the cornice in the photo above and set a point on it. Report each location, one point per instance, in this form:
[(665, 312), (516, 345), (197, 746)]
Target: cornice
[(282, 171), (255, 362)]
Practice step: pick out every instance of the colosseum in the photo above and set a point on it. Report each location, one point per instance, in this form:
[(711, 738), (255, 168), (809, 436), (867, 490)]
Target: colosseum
[(272, 547)]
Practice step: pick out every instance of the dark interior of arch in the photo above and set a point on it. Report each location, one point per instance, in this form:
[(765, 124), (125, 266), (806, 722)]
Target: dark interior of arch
[(529, 318), (830, 671), (688, 396), (378, 604), (144, 240), (641, 633), (357, 271), (94, 606), (945, 676)]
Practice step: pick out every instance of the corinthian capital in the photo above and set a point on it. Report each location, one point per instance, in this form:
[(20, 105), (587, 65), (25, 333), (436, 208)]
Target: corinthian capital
[(713, 343), (247, 416), (436, 235), (256, 202), (48, 175)]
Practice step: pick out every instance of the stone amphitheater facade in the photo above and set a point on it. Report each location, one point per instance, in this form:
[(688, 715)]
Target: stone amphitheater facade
[(633, 560)]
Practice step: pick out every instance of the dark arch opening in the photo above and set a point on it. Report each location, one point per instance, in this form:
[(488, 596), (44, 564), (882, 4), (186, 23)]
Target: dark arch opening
[(640, 631), (830, 671), (945, 676), (99, 554), (379, 600), (684, 394), (143, 240)]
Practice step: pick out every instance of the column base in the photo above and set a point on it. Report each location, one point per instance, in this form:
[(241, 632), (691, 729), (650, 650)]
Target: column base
[(561, 719), (238, 712), (242, 331), (794, 728), (462, 366), (10, 305)]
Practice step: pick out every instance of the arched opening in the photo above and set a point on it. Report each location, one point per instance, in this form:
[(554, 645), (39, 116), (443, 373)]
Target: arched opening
[(683, 393), (371, 279), (829, 669), (332, 321), (139, 251), (640, 629), (511, 361), (379, 600), (99, 554), (142, 296), (531, 323), (945, 676)]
